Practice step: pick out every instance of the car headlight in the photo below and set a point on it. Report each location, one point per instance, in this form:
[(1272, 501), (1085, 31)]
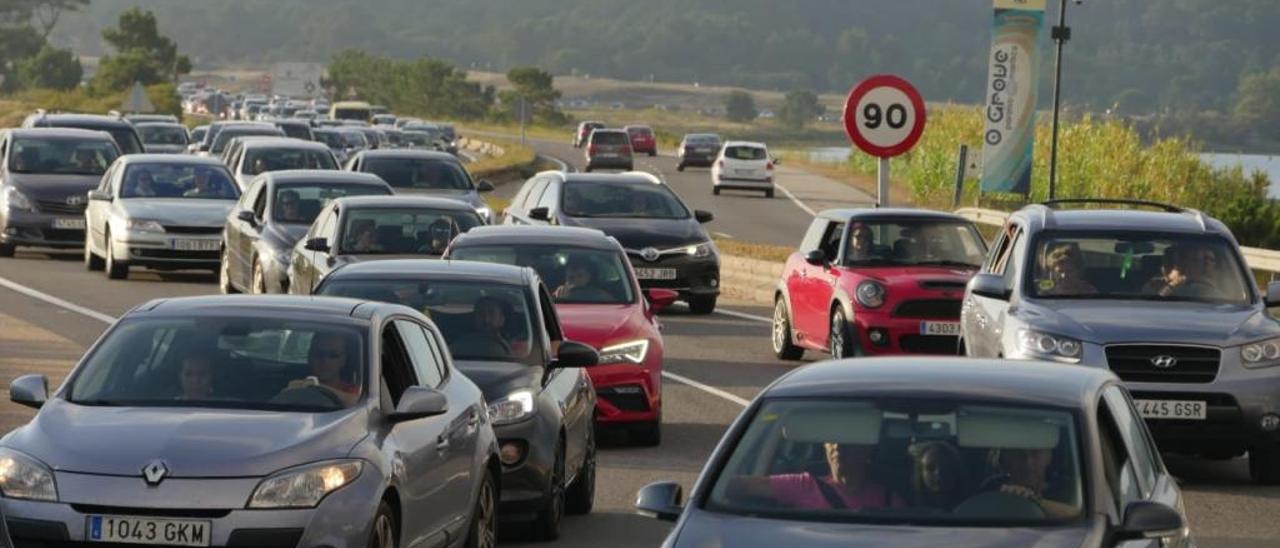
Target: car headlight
[(304, 487), (24, 477), (633, 352), (1261, 354), (702, 250), (870, 294), (144, 225), (517, 406), (16, 200), (1052, 347)]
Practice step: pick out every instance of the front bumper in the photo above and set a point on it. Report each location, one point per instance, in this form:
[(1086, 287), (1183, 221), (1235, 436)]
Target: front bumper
[(160, 251), (29, 229), (628, 393), (526, 484), (694, 276), (880, 333)]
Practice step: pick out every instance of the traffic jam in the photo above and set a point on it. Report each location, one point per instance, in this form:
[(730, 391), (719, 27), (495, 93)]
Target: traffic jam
[(386, 360)]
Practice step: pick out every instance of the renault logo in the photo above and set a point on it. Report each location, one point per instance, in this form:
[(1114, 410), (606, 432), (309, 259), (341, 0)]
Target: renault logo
[(154, 472), (649, 254), (1164, 362), (75, 200)]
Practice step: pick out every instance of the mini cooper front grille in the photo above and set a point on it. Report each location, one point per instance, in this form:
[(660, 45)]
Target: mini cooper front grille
[(944, 345)]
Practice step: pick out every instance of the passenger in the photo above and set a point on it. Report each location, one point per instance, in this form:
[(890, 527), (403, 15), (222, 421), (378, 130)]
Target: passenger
[(487, 337), (1062, 272), (861, 243), (333, 366), (202, 186), (847, 487), (143, 186), (362, 237), (196, 378), (290, 208), (259, 165), (580, 283), (1188, 271), (938, 480), (439, 233), (1025, 473), (86, 161)]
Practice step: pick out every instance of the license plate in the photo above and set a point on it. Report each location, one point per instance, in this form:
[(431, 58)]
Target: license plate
[(939, 328), (702, 150), (69, 222), (744, 172), (196, 245), (172, 532), (656, 273), (1172, 409)]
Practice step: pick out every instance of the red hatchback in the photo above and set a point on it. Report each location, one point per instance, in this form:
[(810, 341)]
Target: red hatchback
[(600, 303), (869, 282), (643, 140)]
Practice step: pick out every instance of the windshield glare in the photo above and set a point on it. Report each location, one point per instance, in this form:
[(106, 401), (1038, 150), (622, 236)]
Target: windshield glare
[(574, 275), (300, 203), (934, 461), (178, 181), (418, 173), (62, 156), (480, 321), (627, 200), (162, 135), (914, 242), (403, 231), (1158, 267), (745, 153), (234, 363)]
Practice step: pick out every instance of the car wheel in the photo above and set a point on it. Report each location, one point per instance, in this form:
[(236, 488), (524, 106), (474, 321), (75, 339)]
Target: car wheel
[(116, 269), (679, 167), (384, 528), (648, 434), (587, 169), (768, 193), (702, 305), (840, 340), (1264, 463), (715, 190), (259, 278), (653, 153), (783, 347), (92, 262), (484, 519), (224, 275), (7, 250), (546, 526), (581, 497)]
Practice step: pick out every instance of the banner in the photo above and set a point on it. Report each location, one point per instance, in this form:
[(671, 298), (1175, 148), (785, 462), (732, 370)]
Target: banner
[(1012, 91)]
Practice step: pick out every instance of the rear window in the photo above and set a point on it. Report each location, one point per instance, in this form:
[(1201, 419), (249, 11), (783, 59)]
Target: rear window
[(609, 138), (261, 160), (297, 131), (745, 153), (162, 135), (419, 173), (640, 131)]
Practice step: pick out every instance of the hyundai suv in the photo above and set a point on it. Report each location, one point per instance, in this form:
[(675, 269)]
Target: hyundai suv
[(1162, 298)]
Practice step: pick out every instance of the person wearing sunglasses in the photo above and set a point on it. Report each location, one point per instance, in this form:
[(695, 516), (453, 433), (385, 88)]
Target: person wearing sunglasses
[(861, 243), (332, 367)]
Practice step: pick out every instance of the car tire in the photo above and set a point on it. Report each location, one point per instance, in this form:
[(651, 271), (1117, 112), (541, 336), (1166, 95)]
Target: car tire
[(224, 275), (783, 345), (768, 194), (484, 518), (715, 190), (259, 282), (653, 153), (383, 532), (1264, 463), (92, 262), (702, 305), (7, 250), (648, 434), (679, 167), (581, 496), (546, 525), (840, 341), (587, 169), (116, 270)]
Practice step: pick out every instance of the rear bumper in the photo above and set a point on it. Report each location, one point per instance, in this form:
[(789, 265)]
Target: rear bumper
[(616, 163), (742, 182)]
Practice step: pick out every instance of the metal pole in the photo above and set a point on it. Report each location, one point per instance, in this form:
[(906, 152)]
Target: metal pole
[(960, 170), (882, 178), (1061, 34), (522, 117)]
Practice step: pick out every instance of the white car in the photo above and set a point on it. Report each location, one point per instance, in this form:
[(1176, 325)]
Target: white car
[(160, 211), (743, 165), (256, 155)]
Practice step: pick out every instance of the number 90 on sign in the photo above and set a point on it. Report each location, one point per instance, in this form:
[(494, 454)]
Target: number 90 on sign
[(884, 116)]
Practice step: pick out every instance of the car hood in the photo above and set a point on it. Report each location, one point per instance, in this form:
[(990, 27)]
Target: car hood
[(1105, 322), (948, 278), (498, 379), (192, 442), (601, 325), (178, 211), (706, 529), (53, 187), (641, 233), (469, 196)]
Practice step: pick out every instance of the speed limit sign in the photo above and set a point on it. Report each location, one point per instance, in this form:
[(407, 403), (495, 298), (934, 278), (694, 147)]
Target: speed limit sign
[(884, 117)]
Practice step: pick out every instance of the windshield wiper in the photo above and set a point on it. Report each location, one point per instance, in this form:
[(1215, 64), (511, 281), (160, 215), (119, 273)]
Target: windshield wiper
[(99, 403), (944, 262)]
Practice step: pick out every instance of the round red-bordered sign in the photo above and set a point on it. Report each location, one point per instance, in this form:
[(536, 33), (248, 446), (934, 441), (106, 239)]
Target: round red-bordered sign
[(884, 116)]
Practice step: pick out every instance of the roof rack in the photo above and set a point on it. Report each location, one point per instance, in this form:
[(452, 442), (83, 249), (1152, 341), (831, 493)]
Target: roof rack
[(1053, 204)]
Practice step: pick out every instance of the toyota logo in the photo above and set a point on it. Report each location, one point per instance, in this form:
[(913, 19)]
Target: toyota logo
[(1164, 362), (75, 200), (649, 254), (154, 472)]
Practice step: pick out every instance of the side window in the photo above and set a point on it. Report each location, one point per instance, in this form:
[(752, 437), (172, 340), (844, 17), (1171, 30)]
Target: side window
[(550, 198), (1011, 266), (813, 237), (1117, 467), (831, 239), (260, 205), (397, 370), (1133, 431), (439, 351), (999, 251), (327, 225), (420, 353), (549, 318)]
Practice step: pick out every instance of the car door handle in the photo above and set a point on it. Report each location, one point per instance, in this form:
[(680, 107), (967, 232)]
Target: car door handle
[(473, 419), (442, 443)]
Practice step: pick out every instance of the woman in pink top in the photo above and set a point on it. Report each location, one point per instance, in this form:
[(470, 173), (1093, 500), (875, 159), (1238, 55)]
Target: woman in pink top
[(846, 488)]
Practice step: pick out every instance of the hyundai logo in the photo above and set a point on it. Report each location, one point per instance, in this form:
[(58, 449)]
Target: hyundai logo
[(75, 200), (1164, 362), (154, 472), (649, 254)]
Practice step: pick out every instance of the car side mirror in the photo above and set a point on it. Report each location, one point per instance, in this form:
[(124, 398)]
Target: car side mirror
[(99, 196), (317, 244), (816, 257), (1273, 294), (1149, 520), (248, 217), (775, 161), (419, 402), (540, 214), (575, 354), (990, 286), (661, 500), (204, 148), (660, 298), (29, 390), (703, 216), (484, 186)]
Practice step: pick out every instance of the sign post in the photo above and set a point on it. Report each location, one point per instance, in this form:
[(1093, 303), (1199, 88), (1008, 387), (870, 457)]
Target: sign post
[(884, 116)]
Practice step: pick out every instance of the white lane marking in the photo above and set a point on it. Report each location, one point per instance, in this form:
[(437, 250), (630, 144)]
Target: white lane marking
[(744, 316), (39, 295), (795, 200), (708, 389)]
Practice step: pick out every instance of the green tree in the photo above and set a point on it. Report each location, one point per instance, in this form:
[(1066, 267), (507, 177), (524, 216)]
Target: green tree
[(739, 106), (17, 44), (536, 88), (46, 13), (1257, 103), (419, 87), (51, 68), (142, 54), (799, 108)]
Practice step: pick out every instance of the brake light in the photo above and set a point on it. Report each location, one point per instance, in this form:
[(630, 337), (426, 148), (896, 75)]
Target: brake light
[(591, 149), (768, 166), (721, 164)]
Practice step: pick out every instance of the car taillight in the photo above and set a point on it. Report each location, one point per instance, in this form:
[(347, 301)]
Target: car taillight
[(721, 164), (591, 149), (768, 166)]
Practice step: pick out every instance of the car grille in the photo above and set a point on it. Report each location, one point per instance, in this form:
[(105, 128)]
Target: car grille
[(59, 207), (174, 229), (1133, 362), (151, 512), (63, 235), (928, 308), (623, 401), (929, 344)]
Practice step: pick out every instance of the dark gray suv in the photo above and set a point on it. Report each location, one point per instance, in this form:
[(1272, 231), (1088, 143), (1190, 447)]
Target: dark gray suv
[(1162, 298)]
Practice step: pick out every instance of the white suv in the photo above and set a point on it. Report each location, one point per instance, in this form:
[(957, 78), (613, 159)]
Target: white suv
[(745, 166)]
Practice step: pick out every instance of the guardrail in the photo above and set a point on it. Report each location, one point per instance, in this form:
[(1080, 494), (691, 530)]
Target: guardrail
[(1263, 260), (482, 147)]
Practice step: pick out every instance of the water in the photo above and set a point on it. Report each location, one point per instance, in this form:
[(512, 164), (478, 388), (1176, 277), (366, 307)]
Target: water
[(829, 155), (1250, 162)]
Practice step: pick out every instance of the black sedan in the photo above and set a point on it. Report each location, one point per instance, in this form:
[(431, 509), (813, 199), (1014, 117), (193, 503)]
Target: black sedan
[(501, 326), (272, 215), (664, 239), (366, 228), (912, 452)]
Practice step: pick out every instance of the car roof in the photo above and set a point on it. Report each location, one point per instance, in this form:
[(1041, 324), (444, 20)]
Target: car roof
[(402, 201), (75, 118), (535, 235), (158, 124), (1036, 218), (439, 269), (1007, 381), (408, 153), (282, 142), (254, 305), (631, 177), (609, 130), (171, 159), (754, 144), (323, 176), (887, 213), (60, 133)]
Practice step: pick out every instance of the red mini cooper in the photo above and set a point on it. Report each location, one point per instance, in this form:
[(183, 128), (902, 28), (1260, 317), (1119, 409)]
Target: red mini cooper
[(876, 282)]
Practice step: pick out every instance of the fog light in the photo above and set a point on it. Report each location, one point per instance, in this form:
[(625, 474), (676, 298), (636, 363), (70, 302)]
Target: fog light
[(1270, 422), (715, 282), (511, 453), (878, 337), (629, 389)]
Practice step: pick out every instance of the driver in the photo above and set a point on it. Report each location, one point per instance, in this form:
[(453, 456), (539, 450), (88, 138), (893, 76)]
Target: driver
[(1025, 473), (861, 242), (196, 378), (580, 283), (848, 486), (290, 209), (487, 337), (439, 234), (332, 367), (1188, 271), (202, 187), (143, 186)]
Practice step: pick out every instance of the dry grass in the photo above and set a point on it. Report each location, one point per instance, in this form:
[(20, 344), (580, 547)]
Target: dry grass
[(763, 252)]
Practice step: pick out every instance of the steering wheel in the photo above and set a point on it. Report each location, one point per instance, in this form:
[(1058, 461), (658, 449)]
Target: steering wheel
[(310, 395), (999, 505)]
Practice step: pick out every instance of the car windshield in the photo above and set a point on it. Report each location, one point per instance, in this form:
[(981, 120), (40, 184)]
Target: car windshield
[(745, 153), (162, 135), (300, 203), (403, 231), (331, 139), (297, 131), (261, 160), (225, 136), (903, 461), (62, 156), (225, 362), (908, 242), (575, 275), (178, 180), (480, 321), (354, 139), (616, 199), (417, 138), (125, 137), (1142, 266), (419, 173), (609, 138)]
